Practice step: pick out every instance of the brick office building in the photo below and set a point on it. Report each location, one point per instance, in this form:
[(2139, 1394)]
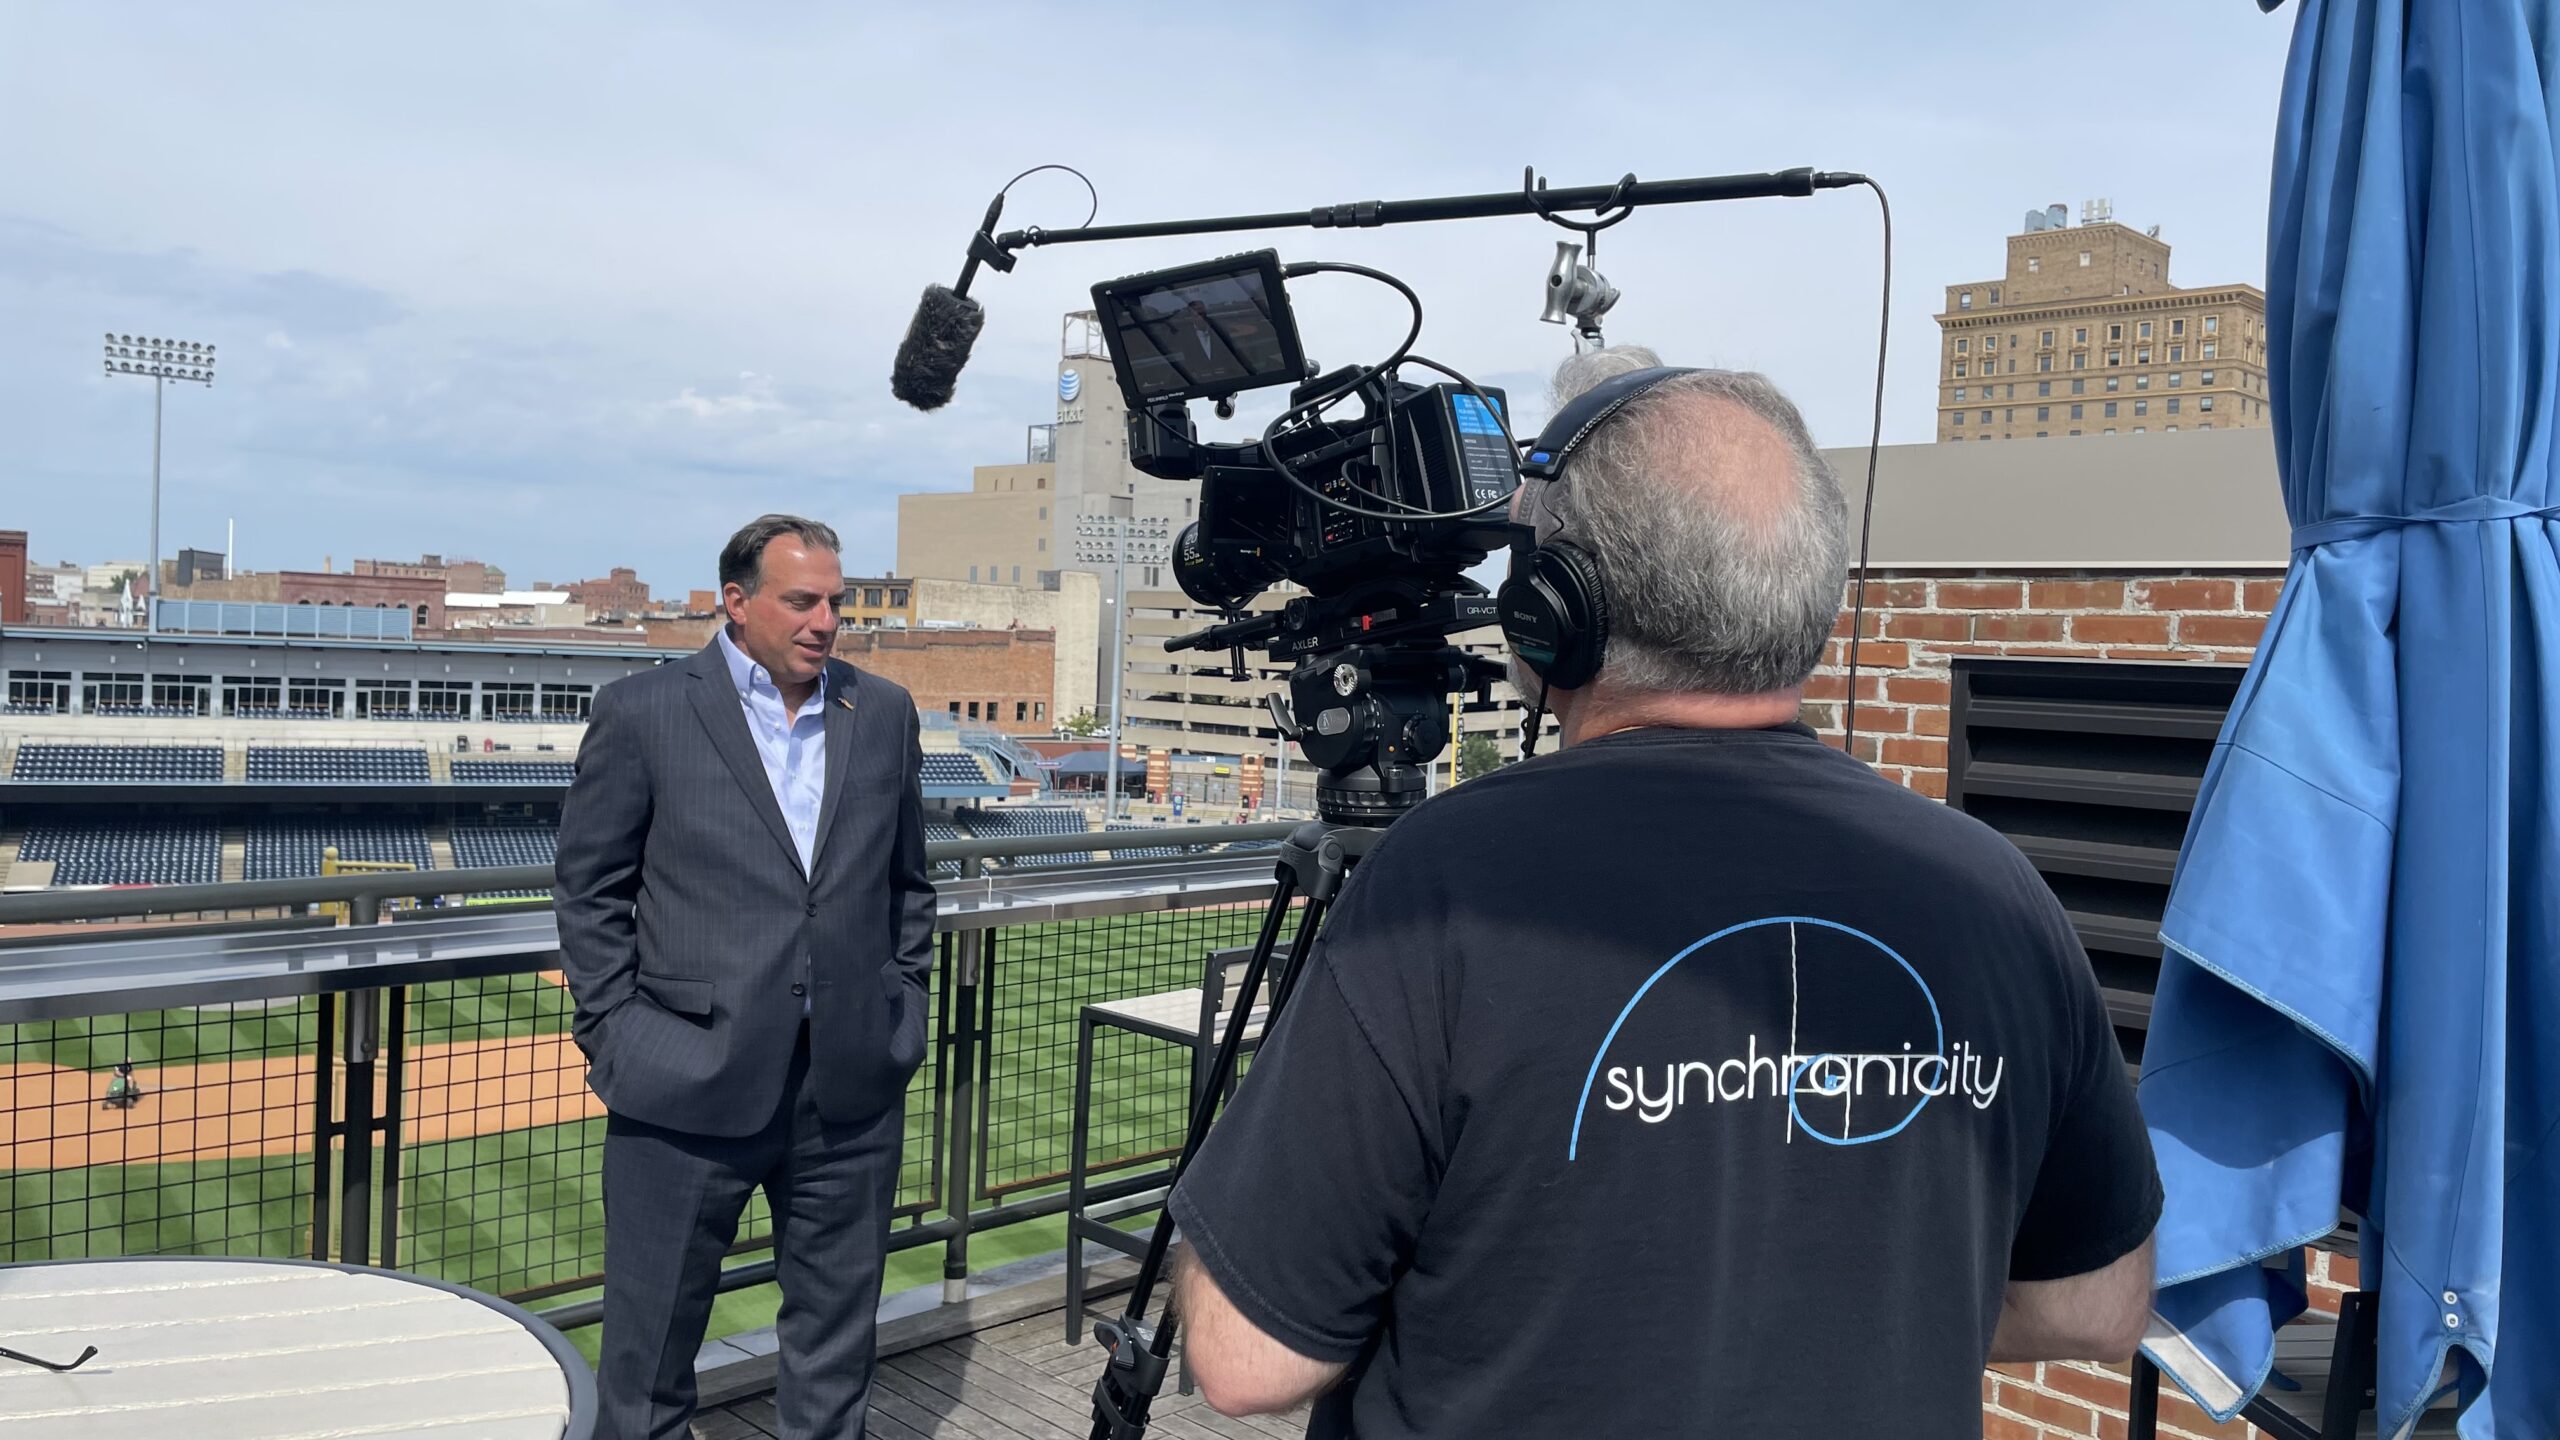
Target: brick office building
[(2084, 336), (421, 596), (1001, 678), (13, 577), (620, 592)]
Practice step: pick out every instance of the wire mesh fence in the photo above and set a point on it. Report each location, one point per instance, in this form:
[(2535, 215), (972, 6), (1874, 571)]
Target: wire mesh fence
[(197, 1131), (168, 1132)]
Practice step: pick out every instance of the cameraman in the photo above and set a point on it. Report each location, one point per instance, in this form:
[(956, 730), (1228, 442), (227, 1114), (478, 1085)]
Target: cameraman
[(1695, 1079)]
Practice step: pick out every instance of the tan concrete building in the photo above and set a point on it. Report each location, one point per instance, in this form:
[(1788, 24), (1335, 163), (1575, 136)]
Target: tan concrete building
[(1002, 530), (2083, 335)]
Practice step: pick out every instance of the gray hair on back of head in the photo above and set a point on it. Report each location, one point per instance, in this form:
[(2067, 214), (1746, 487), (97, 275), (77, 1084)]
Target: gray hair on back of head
[(1720, 579)]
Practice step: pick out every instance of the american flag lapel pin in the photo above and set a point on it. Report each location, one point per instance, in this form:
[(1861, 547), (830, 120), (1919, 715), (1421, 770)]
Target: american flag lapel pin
[(846, 701)]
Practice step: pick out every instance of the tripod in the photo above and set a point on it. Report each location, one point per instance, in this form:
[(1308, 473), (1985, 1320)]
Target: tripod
[(1313, 863)]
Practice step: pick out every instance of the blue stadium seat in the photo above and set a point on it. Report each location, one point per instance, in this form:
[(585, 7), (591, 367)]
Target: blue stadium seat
[(290, 848), (514, 772), (943, 830), (119, 764), (1031, 820), (486, 844), (954, 767), (127, 852), (335, 765)]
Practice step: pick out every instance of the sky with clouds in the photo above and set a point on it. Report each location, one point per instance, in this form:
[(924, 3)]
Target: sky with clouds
[(569, 285)]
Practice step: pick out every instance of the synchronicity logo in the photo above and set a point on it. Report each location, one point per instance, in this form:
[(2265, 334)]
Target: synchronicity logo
[(1069, 384), (1863, 1049)]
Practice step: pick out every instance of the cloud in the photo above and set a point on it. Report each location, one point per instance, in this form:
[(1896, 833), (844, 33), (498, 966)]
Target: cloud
[(754, 396)]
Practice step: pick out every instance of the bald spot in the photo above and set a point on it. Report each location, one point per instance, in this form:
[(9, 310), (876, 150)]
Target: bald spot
[(1718, 453)]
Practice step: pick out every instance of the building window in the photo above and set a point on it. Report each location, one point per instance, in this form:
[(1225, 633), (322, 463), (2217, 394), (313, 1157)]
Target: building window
[(1044, 512), (2080, 361), (2079, 387), (2212, 323), (2206, 425), (2075, 432), (1965, 301), (2142, 356), (1961, 346), (973, 574), (2034, 264), (2044, 363), (2114, 358), (2084, 259), (955, 707), (2176, 378), (2141, 382), (2111, 410), (1039, 709), (2171, 429), (2173, 404), (2141, 407), (2110, 430), (2044, 387), (1959, 417), (1959, 369), (2177, 327), (2046, 340), (2042, 433), (1986, 418), (2111, 384), (2044, 412), (2204, 403), (1995, 294), (2208, 350), (1044, 540), (1959, 394), (2075, 414), (898, 597), (973, 709), (2010, 415), (2080, 335), (1021, 709), (2177, 353), (1990, 342), (2208, 378), (2013, 365), (2142, 331)]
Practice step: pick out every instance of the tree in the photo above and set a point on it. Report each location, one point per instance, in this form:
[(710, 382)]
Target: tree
[(1476, 756), (1083, 724)]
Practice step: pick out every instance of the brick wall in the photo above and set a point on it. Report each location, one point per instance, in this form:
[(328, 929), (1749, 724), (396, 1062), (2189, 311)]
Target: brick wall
[(1918, 622), (980, 675)]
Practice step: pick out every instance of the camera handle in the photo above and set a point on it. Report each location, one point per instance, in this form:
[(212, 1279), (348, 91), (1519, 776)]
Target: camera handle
[(1314, 861)]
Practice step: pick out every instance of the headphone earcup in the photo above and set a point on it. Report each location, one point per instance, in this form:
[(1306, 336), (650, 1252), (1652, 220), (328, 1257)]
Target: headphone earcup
[(1556, 615)]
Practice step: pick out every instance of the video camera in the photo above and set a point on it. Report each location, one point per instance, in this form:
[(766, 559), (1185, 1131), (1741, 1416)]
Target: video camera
[(1376, 514)]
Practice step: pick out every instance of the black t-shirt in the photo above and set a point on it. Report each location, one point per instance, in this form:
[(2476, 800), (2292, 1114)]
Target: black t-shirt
[(1683, 1082)]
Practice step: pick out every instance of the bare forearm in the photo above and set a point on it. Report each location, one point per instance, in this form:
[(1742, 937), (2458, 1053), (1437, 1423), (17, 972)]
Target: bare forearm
[(1241, 1370), (2097, 1316)]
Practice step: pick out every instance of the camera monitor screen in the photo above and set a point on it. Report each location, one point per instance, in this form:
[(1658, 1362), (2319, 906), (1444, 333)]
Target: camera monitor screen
[(1202, 331)]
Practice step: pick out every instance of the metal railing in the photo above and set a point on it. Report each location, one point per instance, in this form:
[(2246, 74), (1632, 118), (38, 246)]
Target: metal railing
[(403, 1091)]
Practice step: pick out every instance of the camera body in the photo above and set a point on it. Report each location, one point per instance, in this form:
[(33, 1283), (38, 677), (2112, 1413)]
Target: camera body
[(1420, 458), (1377, 514)]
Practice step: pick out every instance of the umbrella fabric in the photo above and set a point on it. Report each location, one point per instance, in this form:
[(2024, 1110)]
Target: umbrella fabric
[(2359, 1006)]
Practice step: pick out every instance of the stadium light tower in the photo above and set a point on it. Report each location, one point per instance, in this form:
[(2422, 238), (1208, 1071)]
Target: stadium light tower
[(1116, 540), (158, 361)]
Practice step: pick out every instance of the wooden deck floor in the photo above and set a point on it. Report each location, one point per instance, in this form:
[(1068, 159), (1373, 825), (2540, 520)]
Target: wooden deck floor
[(1002, 1372)]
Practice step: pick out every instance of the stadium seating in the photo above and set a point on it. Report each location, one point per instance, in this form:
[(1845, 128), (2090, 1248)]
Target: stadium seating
[(943, 830), (111, 711), (290, 849), (490, 844), (335, 765), (27, 707), (119, 764), (1151, 852), (1031, 820), (514, 772), (269, 712), (954, 767), (127, 852)]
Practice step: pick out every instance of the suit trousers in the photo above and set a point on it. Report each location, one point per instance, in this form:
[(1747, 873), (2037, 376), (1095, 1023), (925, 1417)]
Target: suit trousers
[(672, 1202)]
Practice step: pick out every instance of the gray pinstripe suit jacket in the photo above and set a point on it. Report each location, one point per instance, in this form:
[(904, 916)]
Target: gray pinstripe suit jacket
[(688, 930)]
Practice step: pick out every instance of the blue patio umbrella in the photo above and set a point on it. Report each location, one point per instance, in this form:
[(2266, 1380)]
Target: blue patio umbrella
[(2360, 1004)]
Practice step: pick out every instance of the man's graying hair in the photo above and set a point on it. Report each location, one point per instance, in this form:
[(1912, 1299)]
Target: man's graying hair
[(1715, 583), (742, 559)]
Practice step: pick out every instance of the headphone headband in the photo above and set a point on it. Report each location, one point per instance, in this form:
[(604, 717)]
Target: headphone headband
[(1586, 412)]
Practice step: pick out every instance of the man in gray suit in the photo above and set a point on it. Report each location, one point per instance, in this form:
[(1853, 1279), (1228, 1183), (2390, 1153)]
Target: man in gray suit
[(746, 926)]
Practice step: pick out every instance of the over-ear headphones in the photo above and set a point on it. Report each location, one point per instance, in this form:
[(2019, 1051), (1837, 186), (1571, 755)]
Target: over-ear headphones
[(1555, 605)]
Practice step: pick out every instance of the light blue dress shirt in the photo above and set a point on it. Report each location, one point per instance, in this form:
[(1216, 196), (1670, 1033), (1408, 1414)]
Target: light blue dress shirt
[(793, 747)]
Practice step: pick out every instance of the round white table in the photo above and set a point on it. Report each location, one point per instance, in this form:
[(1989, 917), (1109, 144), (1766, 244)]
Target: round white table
[(223, 1349)]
